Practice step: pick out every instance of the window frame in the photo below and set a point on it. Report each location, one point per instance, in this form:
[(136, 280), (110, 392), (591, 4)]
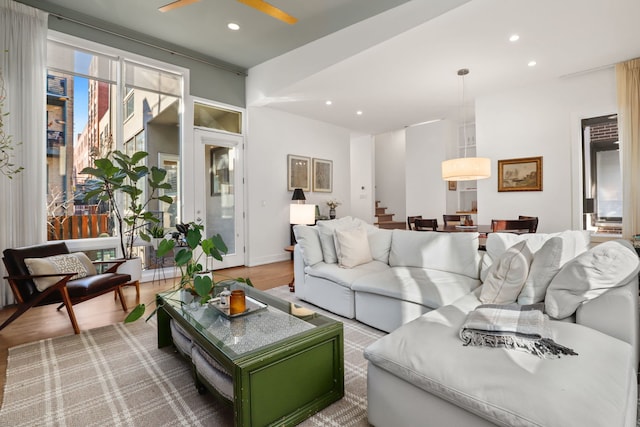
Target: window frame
[(590, 175)]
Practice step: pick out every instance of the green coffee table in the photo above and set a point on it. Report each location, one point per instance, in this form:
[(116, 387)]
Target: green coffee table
[(285, 362)]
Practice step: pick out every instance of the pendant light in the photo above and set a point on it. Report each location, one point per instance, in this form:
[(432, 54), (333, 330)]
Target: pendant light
[(465, 168)]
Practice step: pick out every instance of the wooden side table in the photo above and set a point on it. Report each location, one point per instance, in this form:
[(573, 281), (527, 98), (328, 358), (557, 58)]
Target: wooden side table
[(292, 284)]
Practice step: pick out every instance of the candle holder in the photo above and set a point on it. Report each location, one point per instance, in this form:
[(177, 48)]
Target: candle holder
[(237, 302)]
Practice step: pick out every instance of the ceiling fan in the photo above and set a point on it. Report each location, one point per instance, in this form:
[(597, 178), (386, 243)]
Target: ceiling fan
[(260, 5)]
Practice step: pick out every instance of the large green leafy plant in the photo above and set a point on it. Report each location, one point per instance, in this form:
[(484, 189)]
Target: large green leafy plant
[(119, 173), (189, 248)]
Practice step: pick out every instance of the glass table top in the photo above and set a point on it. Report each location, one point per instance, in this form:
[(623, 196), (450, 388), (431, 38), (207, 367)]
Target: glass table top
[(245, 335)]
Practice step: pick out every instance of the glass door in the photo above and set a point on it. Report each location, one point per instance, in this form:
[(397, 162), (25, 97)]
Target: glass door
[(219, 201)]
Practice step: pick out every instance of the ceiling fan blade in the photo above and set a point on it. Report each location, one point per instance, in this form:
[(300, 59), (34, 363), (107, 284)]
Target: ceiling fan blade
[(176, 4), (270, 10)]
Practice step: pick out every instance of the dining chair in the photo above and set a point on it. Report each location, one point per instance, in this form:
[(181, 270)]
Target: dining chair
[(514, 225), (426, 224), (455, 219), (411, 219), (535, 218)]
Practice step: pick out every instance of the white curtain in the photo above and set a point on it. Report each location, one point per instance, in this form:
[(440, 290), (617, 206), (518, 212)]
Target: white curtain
[(628, 83), (23, 44)]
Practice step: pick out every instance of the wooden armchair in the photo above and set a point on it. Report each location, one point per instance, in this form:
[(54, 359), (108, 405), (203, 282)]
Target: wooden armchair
[(519, 226), (30, 290), (426, 224)]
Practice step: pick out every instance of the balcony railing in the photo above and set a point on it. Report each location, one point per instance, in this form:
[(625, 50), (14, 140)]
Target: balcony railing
[(77, 226)]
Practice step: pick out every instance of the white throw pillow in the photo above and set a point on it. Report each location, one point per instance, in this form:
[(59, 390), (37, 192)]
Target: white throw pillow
[(67, 263), (379, 242), (352, 247), (309, 241), (89, 266), (326, 231), (589, 275), (546, 263), (507, 275)]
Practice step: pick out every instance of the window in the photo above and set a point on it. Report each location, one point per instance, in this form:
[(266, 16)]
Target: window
[(602, 174), (129, 104), (84, 102)]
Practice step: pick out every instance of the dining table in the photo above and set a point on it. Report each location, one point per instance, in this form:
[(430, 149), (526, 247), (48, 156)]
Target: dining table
[(480, 228)]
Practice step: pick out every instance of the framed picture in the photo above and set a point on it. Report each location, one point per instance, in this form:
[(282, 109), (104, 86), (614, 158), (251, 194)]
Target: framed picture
[(523, 174), (453, 185), (298, 172), (322, 175)]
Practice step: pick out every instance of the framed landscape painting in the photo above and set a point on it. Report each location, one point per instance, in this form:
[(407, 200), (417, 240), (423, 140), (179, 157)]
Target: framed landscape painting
[(523, 174), (322, 175), (298, 172)]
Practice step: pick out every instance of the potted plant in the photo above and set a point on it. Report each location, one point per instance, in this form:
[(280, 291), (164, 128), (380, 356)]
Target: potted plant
[(157, 233), (191, 247), (333, 204), (119, 174)]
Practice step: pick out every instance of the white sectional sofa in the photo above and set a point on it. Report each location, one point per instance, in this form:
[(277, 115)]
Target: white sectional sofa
[(421, 374), (407, 275)]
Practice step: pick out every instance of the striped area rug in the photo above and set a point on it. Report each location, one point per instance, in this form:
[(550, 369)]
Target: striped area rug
[(116, 376)]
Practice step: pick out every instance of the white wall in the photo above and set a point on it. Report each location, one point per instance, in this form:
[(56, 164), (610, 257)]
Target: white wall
[(362, 182), (426, 148), (390, 173), (272, 135), (541, 121)]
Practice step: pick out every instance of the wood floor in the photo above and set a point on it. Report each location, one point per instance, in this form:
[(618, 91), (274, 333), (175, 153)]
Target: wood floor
[(45, 322)]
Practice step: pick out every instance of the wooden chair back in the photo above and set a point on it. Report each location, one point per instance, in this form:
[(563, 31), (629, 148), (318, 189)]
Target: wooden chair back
[(455, 219), (514, 225), (411, 219), (535, 218), (426, 224)]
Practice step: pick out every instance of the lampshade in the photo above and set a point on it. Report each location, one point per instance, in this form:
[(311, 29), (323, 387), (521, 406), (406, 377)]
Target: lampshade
[(302, 214), (298, 195), (466, 169)]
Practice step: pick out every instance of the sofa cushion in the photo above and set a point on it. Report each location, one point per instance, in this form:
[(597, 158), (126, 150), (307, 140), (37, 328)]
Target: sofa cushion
[(589, 275), (345, 276), (309, 240), (379, 242), (510, 387), (427, 287), (545, 265), (507, 275), (352, 247), (67, 263), (453, 252), (326, 231), (576, 242)]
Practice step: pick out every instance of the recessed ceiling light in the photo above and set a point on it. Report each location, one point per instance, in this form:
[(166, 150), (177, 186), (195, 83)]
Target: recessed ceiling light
[(233, 26), (514, 38), (359, 112), (328, 102), (532, 63)]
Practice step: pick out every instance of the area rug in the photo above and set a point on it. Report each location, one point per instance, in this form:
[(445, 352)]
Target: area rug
[(116, 376)]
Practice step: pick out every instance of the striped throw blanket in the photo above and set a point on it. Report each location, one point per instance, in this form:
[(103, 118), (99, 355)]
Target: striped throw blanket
[(512, 326)]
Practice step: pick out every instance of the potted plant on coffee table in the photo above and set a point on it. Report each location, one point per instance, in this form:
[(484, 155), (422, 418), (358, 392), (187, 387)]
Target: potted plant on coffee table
[(189, 248), (120, 175)]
